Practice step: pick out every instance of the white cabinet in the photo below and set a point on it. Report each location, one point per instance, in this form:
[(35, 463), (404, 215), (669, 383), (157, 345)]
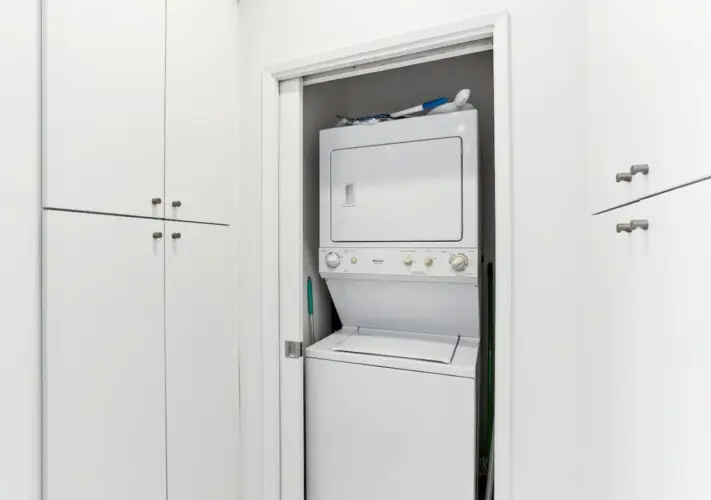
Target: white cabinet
[(141, 374), (648, 346), (649, 104), (103, 117), (201, 109), (140, 107), (104, 372), (202, 362)]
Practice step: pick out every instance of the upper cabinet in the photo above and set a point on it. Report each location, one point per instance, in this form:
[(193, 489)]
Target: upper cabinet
[(201, 109), (103, 100), (650, 108), (140, 107)]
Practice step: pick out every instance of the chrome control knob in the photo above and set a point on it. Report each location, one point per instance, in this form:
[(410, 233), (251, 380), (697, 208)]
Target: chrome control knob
[(333, 260), (459, 262)]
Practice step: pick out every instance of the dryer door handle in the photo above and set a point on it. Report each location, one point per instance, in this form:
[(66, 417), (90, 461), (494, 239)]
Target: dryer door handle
[(349, 194)]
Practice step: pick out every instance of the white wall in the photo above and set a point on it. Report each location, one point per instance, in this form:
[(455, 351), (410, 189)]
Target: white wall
[(548, 91), (19, 250)]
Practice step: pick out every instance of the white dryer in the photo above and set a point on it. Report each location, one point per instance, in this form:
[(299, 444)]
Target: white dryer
[(399, 219), (390, 399), (412, 182)]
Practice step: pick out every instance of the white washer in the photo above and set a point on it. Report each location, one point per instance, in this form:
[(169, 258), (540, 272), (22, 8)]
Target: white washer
[(391, 415)]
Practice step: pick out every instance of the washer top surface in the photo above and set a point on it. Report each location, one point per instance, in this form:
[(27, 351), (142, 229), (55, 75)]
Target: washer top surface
[(422, 346), (429, 353)]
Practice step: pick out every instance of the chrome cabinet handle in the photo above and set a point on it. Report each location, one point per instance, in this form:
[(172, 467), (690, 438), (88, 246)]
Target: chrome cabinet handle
[(156, 201), (177, 203), (157, 235), (176, 236), (633, 225), (642, 168), (639, 169), (623, 177)]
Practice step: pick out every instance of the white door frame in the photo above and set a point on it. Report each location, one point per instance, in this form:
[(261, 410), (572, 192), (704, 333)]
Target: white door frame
[(278, 283)]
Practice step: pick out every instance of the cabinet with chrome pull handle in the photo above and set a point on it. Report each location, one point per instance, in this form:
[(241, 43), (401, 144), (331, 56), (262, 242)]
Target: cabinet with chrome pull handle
[(164, 159), (155, 310), (647, 293), (201, 348)]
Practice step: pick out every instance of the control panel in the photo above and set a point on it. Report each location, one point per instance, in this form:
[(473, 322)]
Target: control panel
[(436, 262)]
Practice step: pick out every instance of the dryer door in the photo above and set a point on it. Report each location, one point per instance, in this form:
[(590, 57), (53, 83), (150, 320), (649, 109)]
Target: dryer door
[(401, 192)]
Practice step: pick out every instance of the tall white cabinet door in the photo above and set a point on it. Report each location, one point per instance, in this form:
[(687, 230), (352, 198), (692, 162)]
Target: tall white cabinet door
[(201, 110), (649, 349), (104, 93), (202, 362), (104, 379), (649, 102), (607, 379)]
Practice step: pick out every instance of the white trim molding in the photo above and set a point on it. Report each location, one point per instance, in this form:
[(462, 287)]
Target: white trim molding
[(271, 434), (410, 48)]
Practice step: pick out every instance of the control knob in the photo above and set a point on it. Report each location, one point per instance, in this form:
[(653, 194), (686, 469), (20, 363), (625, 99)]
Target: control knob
[(332, 260), (459, 262)]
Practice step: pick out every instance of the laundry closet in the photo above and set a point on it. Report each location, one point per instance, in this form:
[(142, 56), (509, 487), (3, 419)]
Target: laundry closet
[(399, 272)]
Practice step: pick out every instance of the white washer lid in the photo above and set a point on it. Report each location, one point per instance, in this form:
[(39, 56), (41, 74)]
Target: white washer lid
[(463, 364), (421, 346)]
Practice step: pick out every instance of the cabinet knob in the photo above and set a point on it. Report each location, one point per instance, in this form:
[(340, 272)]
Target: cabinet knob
[(177, 203), (156, 201), (624, 227), (623, 177), (642, 168), (176, 236), (157, 235), (633, 225), (639, 169)]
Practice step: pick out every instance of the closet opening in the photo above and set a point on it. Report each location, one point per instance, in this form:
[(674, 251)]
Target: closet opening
[(427, 196), (403, 228)]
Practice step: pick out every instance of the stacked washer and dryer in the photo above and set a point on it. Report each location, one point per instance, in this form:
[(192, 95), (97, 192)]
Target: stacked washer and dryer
[(391, 398)]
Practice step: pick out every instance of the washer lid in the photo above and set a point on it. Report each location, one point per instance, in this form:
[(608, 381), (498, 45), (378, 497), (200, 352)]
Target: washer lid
[(420, 346)]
